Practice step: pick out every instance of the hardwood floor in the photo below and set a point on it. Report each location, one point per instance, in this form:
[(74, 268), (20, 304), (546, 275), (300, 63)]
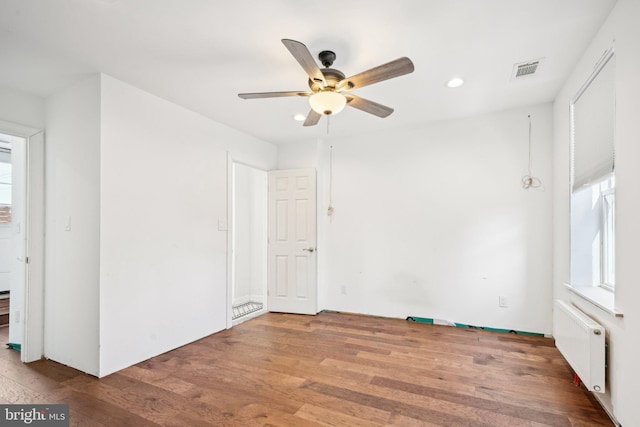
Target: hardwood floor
[(325, 370)]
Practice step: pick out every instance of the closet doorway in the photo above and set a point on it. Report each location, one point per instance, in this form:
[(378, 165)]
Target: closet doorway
[(249, 234)]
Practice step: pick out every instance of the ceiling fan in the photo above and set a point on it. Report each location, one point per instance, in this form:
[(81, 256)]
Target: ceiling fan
[(330, 89)]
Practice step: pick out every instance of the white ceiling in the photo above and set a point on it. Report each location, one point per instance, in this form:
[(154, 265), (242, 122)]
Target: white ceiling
[(201, 53)]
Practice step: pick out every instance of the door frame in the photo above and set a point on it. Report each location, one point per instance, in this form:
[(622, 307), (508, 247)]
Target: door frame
[(32, 347)]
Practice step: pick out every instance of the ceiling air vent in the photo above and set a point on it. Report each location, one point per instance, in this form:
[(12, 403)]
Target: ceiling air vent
[(526, 69)]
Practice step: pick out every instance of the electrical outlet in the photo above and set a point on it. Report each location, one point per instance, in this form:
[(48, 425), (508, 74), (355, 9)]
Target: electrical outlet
[(502, 301), (343, 289)]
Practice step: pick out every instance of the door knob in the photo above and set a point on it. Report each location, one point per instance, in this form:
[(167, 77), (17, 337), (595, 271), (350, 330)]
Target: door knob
[(309, 249)]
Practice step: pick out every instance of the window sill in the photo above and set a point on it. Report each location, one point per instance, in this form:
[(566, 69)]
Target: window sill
[(597, 296)]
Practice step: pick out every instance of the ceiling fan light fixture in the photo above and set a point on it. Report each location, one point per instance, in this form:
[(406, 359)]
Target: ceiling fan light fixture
[(327, 102), (325, 85)]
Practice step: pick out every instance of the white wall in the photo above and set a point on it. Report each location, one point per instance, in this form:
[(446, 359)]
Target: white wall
[(303, 154), (163, 189), (250, 231), (624, 346), (433, 222), (242, 234), (259, 235), (21, 108), (72, 269), (136, 185)]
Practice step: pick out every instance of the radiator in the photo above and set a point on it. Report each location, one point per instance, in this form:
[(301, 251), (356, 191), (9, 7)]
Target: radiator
[(581, 340)]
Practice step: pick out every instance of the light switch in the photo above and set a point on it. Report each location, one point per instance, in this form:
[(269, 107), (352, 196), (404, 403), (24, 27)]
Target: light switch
[(222, 225), (67, 223)]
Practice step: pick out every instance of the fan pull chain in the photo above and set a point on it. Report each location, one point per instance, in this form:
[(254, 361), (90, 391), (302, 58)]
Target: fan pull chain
[(330, 208)]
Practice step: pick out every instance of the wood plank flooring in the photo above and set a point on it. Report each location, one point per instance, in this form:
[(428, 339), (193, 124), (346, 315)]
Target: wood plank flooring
[(326, 370)]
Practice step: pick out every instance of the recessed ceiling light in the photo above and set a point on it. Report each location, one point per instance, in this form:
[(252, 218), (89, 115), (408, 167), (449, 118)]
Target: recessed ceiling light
[(299, 117), (455, 82)]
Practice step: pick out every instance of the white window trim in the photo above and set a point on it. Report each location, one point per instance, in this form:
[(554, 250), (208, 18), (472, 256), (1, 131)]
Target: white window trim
[(603, 193), (598, 296)]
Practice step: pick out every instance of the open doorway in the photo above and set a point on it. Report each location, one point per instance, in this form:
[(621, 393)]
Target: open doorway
[(24, 255), (249, 243), (12, 239)]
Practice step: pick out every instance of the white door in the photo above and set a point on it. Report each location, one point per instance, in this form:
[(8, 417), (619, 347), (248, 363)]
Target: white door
[(32, 346), (292, 260), (18, 239)]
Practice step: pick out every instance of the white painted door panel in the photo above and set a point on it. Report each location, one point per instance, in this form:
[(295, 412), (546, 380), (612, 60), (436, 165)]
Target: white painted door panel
[(18, 239), (33, 344), (292, 241)]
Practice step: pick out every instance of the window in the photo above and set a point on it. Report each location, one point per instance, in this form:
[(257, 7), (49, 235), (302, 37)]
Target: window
[(608, 234), (593, 235), (593, 179)]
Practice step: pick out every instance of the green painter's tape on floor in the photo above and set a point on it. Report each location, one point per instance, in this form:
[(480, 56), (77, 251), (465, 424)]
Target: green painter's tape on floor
[(14, 346), (420, 320), (484, 328)]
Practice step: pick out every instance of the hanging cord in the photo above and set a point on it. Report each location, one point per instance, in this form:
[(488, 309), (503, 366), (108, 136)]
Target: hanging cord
[(529, 181), (330, 208)]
